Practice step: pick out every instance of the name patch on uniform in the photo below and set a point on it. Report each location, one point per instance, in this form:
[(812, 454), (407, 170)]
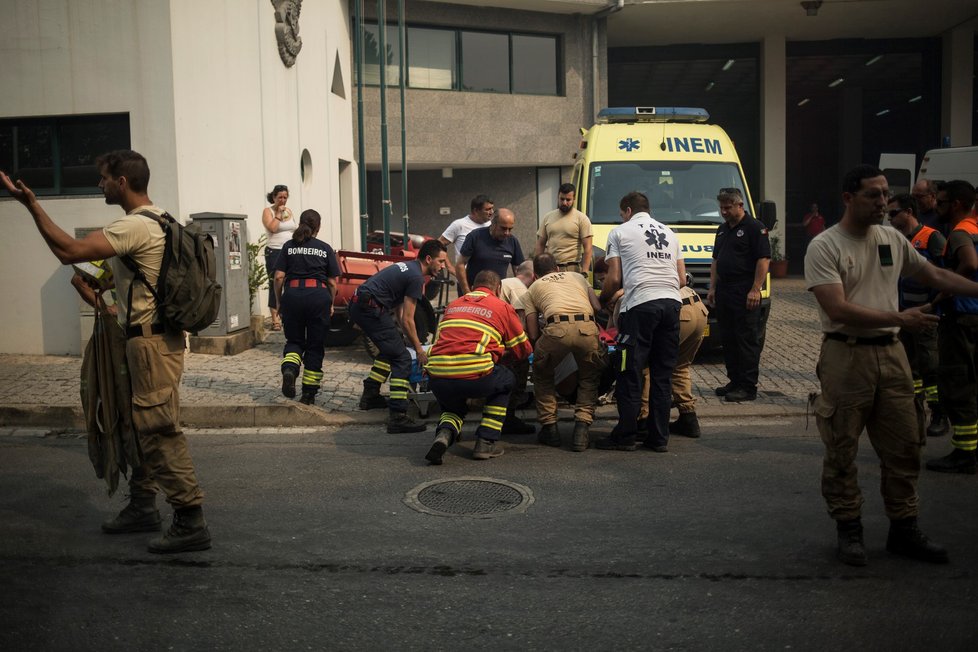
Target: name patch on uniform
[(886, 256)]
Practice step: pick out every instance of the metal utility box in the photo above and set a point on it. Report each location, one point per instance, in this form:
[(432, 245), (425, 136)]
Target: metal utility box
[(230, 235)]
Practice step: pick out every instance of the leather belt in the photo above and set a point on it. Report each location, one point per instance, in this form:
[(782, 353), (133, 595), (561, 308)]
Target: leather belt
[(556, 318), (879, 340), (144, 330), (307, 283), (691, 300)]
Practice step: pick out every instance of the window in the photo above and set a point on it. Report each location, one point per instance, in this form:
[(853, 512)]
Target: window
[(451, 59), (56, 156)]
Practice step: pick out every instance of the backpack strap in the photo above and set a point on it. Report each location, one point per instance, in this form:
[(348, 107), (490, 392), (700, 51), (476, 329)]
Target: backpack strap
[(134, 268)]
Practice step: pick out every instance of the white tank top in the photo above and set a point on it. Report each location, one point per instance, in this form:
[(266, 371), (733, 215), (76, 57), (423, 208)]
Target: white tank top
[(278, 239)]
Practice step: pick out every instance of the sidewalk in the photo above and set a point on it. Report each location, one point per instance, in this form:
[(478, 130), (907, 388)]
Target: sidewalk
[(244, 390)]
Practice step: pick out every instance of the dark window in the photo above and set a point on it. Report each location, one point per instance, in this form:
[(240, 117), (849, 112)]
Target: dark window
[(371, 55), (431, 58), (485, 62), (57, 155), (535, 64)]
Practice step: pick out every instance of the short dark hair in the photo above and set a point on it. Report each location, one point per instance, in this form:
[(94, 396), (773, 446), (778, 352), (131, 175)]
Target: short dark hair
[(276, 190), (959, 190), (636, 201), (479, 201), (487, 279), (566, 188), (906, 202), (730, 194), (543, 264), (125, 163), (431, 248), (853, 180)]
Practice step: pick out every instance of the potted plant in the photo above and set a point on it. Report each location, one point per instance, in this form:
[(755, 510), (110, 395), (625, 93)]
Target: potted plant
[(779, 265), (257, 280)]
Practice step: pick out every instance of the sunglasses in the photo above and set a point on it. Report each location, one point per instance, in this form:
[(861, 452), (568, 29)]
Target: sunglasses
[(730, 191), (895, 212)]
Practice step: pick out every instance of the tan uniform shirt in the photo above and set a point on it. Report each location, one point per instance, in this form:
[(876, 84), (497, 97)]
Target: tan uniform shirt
[(565, 235), (560, 293), (512, 291), (142, 239)]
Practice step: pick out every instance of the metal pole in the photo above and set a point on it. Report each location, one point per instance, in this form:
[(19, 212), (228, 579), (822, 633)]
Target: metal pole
[(404, 180), (362, 163), (385, 181)]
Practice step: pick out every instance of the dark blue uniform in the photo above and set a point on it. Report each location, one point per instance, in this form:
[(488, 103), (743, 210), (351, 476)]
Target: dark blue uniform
[(482, 251), (371, 309), (736, 251), (306, 302)]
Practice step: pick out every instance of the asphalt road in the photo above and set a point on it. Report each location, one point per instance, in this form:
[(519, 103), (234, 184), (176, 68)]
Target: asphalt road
[(721, 544)]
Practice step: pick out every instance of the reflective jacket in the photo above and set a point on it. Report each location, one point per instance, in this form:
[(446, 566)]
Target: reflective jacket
[(912, 292), (967, 305), (475, 332)]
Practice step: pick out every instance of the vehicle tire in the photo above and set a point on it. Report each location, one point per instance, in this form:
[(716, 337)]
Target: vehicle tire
[(341, 332)]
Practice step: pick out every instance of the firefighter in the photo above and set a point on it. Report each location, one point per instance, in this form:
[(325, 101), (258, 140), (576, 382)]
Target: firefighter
[(397, 287), (305, 283), (478, 330)]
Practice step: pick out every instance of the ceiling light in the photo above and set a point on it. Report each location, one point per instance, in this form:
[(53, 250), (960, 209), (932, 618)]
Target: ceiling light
[(709, 86), (916, 98), (811, 7), (836, 82), (729, 64), (883, 112), (874, 59), (804, 102)]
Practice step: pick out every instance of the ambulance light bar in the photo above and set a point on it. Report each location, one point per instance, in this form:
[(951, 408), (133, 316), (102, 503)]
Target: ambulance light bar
[(652, 114)]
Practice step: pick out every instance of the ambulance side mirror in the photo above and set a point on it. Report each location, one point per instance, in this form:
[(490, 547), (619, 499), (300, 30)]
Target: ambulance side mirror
[(768, 214)]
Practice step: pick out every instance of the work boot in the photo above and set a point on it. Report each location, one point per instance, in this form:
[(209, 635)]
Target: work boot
[(687, 425), (613, 443), (486, 449), (581, 439), (307, 398), (549, 435), (188, 532), (514, 425), (957, 461), (443, 439), (906, 539), (288, 382), (939, 425), (140, 515), (739, 395), (850, 548), (722, 390), (401, 422), (371, 398)]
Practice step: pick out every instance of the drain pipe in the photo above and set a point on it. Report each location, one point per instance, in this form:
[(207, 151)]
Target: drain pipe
[(612, 8)]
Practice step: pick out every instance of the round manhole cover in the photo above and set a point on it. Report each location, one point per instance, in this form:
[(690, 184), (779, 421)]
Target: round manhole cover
[(472, 497)]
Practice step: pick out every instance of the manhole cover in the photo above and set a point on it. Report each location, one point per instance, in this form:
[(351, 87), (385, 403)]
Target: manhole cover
[(472, 497)]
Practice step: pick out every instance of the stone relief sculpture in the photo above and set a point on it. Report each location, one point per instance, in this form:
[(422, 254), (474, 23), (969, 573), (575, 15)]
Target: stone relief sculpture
[(287, 29)]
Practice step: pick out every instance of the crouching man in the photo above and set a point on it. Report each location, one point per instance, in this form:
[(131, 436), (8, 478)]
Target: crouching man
[(477, 331)]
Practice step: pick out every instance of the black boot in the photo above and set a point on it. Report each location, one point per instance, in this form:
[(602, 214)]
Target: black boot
[(443, 439), (906, 539), (957, 461), (582, 437), (401, 422), (188, 532), (513, 425), (939, 425), (140, 515), (549, 436), (371, 398), (288, 382), (850, 545), (687, 425), (307, 398)]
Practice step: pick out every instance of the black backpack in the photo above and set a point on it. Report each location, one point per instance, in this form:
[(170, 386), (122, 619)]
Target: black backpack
[(188, 296)]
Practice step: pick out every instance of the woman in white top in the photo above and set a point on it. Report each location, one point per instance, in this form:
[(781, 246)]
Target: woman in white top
[(279, 223)]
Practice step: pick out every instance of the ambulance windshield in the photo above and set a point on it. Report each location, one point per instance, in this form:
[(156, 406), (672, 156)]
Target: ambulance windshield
[(679, 192)]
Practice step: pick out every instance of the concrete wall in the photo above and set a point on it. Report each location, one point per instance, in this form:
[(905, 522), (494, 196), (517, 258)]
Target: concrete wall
[(212, 107)]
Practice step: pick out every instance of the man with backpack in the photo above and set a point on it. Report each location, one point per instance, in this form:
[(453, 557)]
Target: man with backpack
[(136, 246)]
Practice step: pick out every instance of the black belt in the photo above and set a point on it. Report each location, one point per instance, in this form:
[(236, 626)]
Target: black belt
[(691, 300), (879, 340), (144, 330), (555, 318), (573, 262), (365, 299)]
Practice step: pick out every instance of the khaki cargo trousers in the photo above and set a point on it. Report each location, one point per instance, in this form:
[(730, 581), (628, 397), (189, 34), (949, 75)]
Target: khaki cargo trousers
[(557, 341)]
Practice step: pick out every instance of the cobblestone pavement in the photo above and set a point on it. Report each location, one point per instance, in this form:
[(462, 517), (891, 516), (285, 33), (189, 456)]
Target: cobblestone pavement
[(252, 378)]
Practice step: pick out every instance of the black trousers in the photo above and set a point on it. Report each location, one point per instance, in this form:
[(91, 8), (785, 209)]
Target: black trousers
[(393, 359), (305, 322), (648, 336), (741, 333), (453, 394)]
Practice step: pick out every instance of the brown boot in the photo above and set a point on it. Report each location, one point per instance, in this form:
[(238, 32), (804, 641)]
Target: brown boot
[(187, 533), (140, 515)]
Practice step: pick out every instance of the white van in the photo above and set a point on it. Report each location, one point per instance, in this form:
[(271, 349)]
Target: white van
[(950, 163)]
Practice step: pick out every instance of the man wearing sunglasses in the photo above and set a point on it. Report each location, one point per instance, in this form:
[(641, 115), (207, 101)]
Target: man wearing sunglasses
[(921, 346)]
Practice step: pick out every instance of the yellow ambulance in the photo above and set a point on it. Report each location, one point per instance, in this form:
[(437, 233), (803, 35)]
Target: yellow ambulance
[(680, 162)]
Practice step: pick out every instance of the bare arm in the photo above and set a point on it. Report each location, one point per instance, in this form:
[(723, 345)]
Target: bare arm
[(407, 325), (612, 280), (593, 298), (532, 326), (268, 219), (541, 245), (947, 281), (681, 270), (760, 274), (588, 245), (460, 276), (833, 301), (84, 290), (711, 295), (445, 241), (279, 284)]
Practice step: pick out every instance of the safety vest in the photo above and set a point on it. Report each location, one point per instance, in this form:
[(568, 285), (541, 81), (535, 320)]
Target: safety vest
[(475, 332), (967, 305), (912, 292)]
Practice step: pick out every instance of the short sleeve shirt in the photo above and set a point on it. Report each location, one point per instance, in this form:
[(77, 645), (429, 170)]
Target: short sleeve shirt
[(512, 292), (559, 293), (483, 251), (869, 270), (565, 235), (736, 251), (310, 259), (458, 230), (142, 239), (390, 285), (650, 255)]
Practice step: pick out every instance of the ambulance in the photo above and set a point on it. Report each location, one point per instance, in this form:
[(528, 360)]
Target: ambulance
[(680, 162)]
